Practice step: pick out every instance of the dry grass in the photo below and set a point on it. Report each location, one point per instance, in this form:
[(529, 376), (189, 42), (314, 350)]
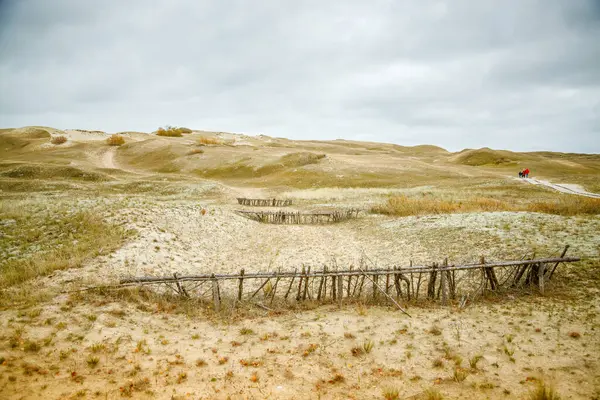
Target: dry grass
[(36, 233), (565, 205), (543, 392), (195, 151), (115, 140), (171, 131), (206, 140), (47, 171), (58, 140)]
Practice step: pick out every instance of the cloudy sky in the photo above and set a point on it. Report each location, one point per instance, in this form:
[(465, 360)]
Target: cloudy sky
[(520, 74)]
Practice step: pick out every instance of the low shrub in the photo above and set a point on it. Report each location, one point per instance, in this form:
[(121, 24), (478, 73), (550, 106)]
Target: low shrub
[(204, 140), (115, 140), (172, 131), (58, 140)]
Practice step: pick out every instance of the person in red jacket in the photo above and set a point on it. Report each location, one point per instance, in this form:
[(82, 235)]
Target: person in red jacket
[(526, 172)]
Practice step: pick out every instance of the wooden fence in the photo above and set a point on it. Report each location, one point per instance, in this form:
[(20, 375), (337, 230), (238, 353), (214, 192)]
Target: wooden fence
[(294, 218), (437, 282), (264, 202)]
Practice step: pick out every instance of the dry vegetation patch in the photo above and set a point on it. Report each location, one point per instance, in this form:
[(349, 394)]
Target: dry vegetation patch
[(115, 140), (58, 139), (36, 239), (172, 131), (565, 205)]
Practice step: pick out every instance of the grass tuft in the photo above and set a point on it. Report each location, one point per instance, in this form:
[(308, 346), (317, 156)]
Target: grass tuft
[(391, 394), (543, 392)]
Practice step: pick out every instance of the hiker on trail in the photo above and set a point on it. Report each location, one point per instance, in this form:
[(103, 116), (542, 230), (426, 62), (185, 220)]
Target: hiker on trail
[(521, 174), (526, 172)]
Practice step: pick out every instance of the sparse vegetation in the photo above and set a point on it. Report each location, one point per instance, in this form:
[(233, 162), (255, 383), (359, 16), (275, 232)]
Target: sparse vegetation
[(58, 140), (406, 206), (391, 394), (459, 374), (543, 392), (433, 394), (115, 140), (89, 235), (368, 346), (246, 331), (474, 360), (195, 151), (207, 140), (171, 131)]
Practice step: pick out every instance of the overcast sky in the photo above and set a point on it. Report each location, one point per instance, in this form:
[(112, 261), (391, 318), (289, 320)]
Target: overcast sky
[(522, 75)]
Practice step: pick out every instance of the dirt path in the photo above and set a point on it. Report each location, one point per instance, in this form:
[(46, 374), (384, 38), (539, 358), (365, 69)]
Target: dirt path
[(563, 187), (108, 158)]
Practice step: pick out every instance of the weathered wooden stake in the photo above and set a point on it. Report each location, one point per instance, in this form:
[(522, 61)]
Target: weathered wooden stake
[(216, 294), (261, 286), (306, 284), (333, 288), (349, 280), (387, 283), (375, 279), (443, 283), (241, 285), (291, 283), (321, 283), (340, 290), (541, 272), (300, 284), (556, 265), (274, 288)]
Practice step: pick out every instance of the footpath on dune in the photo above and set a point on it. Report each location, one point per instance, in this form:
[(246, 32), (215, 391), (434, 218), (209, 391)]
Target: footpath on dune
[(562, 187)]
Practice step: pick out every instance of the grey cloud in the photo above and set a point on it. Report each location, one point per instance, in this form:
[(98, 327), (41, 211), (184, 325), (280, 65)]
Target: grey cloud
[(516, 74)]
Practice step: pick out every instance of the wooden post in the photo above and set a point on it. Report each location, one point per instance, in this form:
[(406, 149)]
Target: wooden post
[(291, 283), (321, 283), (180, 289), (443, 283), (275, 287), (375, 279), (216, 294), (300, 284), (306, 284), (340, 290), (349, 280), (431, 283), (397, 284), (387, 283), (541, 272), (261, 286), (333, 288), (556, 265), (362, 281), (241, 285), (387, 295)]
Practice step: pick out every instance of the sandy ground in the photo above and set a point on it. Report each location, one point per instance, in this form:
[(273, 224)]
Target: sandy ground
[(309, 355), (177, 238)]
